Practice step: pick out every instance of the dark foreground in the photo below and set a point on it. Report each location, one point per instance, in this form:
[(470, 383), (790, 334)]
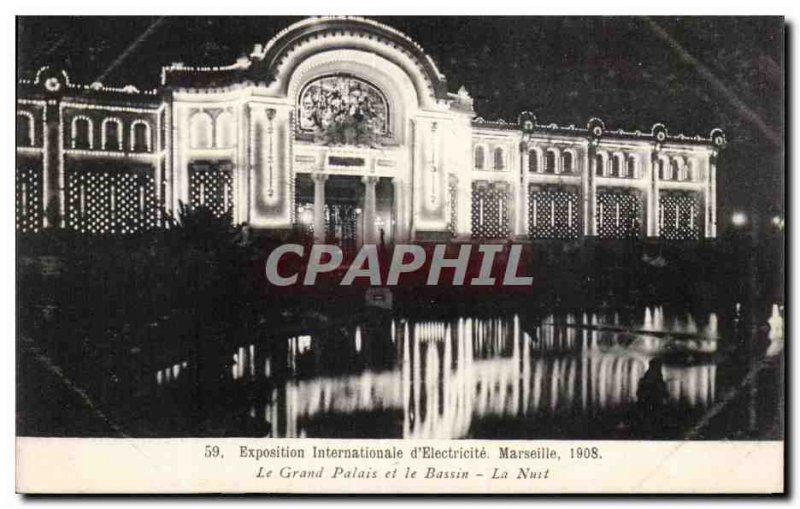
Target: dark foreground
[(637, 373), (168, 337)]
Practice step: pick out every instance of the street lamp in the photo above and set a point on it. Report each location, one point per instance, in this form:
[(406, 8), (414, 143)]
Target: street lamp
[(739, 219)]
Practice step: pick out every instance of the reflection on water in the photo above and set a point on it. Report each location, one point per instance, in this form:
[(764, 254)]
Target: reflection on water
[(568, 375), (775, 331)]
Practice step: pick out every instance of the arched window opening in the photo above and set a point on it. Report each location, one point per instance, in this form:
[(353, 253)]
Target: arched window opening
[(691, 171), (479, 157), (631, 169), (533, 161), (82, 133), (675, 170), (566, 162), (225, 131), (599, 166), (200, 127), (683, 170), (662, 170), (499, 163), (25, 137), (616, 166), (550, 162), (112, 134), (140, 136)]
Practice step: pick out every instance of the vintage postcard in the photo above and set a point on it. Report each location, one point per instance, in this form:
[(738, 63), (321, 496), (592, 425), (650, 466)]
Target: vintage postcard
[(418, 254)]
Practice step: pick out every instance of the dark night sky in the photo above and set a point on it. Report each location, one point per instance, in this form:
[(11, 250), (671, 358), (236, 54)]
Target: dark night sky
[(564, 69)]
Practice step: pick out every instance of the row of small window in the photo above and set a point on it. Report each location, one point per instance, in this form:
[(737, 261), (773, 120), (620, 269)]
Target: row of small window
[(498, 162), (82, 134), (551, 162), (214, 129), (676, 169), (618, 165), (627, 167), (26, 130)]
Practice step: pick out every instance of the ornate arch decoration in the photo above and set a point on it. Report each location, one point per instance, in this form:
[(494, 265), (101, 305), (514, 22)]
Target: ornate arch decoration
[(342, 102), (286, 51)]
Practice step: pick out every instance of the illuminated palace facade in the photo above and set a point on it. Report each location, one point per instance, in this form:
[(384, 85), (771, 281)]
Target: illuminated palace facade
[(346, 129)]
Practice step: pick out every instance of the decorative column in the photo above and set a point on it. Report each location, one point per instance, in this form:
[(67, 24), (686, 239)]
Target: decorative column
[(398, 222), (241, 171), (590, 190), (271, 181), (319, 206), (180, 183), (711, 202), (369, 208), (596, 130), (653, 202), (52, 161), (522, 207)]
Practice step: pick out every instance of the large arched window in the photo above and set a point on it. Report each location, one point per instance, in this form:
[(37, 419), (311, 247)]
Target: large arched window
[(201, 130), (479, 157), (566, 162), (330, 104), (140, 136), (112, 134), (533, 161), (25, 129), (82, 132), (499, 160)]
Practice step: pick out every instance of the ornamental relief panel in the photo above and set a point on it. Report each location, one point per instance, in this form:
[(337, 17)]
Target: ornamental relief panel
[(343, 110)]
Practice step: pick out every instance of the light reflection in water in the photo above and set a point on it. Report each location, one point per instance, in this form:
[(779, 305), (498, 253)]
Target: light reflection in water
[(170, 374), (775, 336), (450, 373), (442, 378)]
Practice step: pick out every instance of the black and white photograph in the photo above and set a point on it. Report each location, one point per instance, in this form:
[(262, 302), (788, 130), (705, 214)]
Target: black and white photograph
[(493, 228)]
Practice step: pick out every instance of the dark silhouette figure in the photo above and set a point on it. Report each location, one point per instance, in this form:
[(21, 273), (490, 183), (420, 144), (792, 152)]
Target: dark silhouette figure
[(651, 396)]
